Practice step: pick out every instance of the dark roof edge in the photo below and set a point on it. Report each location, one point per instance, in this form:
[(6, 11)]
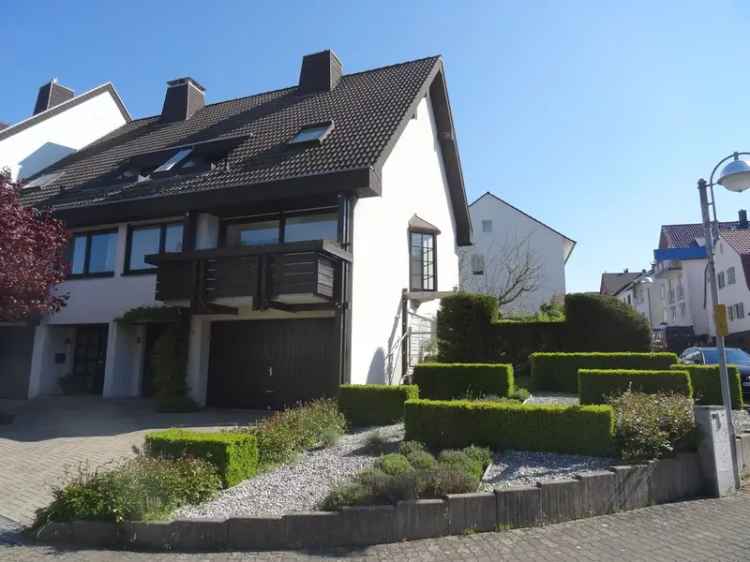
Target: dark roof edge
[(77, 100)]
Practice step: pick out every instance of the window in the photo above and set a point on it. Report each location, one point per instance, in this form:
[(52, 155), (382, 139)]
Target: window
[(312, 133), (259, 233), (730, 276), (477, 264), (673, 313), (43, 180), (486, 226), (721, 281), (92, 254), (281, 228), (422, 264), (175, 159), (629, 300), (151, 239), (683, 310), (737, 310), (311, 227), (731, 312)]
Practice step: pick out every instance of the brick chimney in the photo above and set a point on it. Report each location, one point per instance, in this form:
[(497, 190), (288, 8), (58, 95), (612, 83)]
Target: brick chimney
[(743, 219), (183, 98), (320, 72), (51, 94)]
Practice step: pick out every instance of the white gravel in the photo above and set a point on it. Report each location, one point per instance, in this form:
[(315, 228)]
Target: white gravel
[(525, 468), (553, 398), (295, 487)]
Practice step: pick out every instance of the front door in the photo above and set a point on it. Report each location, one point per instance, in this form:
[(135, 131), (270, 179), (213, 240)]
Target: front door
[(153, 333), (90, 357), (272, 363)]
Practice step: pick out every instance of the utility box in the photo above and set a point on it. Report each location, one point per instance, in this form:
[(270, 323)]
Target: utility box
[(714, 450)]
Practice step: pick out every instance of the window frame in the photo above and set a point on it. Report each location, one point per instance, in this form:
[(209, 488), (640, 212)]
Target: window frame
[(87, 254), (731, 276), (281, 217), (477, 259), (721, 280), (411, 232), (127, 270)]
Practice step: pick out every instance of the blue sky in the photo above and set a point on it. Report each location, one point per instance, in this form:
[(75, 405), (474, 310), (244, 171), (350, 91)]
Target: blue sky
[(595, 117)]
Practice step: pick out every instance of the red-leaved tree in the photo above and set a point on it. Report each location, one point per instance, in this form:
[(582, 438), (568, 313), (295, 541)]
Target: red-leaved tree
[(32, 257)]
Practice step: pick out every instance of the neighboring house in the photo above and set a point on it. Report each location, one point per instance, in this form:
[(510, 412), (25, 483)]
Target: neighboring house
[(302, 228), (505, 241), (641, 293), (732, 258), (61, 124)]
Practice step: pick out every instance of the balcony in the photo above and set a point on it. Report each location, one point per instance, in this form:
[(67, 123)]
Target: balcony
[(297, 275)]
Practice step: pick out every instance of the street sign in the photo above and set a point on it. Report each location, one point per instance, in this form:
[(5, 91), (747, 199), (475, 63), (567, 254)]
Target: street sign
[(720, 319)]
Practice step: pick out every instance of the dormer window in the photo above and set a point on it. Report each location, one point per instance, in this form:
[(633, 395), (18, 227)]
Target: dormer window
[(316, 133), (174, 160), (43, 180)]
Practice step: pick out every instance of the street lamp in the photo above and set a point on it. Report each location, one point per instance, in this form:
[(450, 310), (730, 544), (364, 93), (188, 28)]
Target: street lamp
[(735, 176)]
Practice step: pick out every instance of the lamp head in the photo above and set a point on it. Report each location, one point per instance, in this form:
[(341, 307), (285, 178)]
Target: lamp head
[(735, 176)]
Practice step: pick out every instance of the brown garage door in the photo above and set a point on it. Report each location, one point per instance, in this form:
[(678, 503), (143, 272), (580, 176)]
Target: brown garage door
[(16, 344), (271, 363)]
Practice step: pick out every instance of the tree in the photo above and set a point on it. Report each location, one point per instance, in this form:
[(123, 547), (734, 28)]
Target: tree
[(32, 257)]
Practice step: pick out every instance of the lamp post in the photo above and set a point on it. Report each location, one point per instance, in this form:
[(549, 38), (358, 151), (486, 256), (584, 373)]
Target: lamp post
[(735, 176)]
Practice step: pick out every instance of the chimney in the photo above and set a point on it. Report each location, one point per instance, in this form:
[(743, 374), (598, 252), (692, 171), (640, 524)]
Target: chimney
[(320, 72), (51, 94), (183, 98), (743, 218)]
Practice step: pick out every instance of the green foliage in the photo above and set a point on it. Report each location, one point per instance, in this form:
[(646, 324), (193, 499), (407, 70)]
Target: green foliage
[(558, 372), (604, 323), (374, 404), (393, 464), (329, 437), (548, 312), (514, 341), (586, 430), (596, 386), (169, 360), (408, 447), (650, 426), (463, 328), (444, 381), (285, 434), (421, 460), (142, 488), (481, 455), (234, 454), (520, 394), (707, 384), (461, 462), (376, 443)]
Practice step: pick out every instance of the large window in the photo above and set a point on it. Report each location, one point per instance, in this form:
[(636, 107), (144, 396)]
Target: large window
[(311, 227), (278, 229), (92, 254), (422, 262), (151, 239)]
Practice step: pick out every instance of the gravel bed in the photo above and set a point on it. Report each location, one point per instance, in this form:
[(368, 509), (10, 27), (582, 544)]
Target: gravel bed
[(525, 468), (295, 487), (553, 398)]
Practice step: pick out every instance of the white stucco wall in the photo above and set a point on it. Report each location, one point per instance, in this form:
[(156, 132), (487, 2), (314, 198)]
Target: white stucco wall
[(512, 230), (737, 292), (413, 181), (36, 147)]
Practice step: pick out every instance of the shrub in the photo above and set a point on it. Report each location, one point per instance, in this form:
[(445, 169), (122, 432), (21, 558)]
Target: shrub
[(463, 328), (587, 430), (406, 448), (421, 460), (444, 381), (142, 488), (558, 372), (604, 323), (462, 462), (653, 425), (234, 454), (374, 404), (707, 384), (482, 455), (596, 386), (349, 493), (393, 464), (520, 394), (514, 341), (446, 479)]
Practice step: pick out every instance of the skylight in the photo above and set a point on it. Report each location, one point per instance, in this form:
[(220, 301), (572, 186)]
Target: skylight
[(312, 133), (43, 180), (178, 157)]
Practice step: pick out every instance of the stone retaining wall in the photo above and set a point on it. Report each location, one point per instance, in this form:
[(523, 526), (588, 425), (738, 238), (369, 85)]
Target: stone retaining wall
[(597, 493)]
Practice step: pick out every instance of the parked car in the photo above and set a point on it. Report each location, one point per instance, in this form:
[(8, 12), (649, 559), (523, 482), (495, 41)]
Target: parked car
[(672, 338), (710, 356)]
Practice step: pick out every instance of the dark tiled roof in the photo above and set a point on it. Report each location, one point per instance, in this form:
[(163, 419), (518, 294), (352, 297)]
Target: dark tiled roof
[(738, 238), (613, 283), (367, 108), (683, 235)]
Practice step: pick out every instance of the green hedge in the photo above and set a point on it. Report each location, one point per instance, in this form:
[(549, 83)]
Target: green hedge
[(374, 404), (464, 328), (444, 381), (558, 372), (595, 385), (235, 455), (586, 430), (604, 323), (707, 385)]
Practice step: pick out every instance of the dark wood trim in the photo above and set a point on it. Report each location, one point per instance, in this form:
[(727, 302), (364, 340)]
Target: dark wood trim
[(343, 287), (127, 270), (189, 231), (434, 261), (77, 276)]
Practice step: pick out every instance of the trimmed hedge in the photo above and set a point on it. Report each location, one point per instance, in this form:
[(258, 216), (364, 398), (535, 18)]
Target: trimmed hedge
[(596, 385), (707, 385), (235, 455), (464, 328), (444, 381), (586, 430), (374, 404), (558, 372), (604, 323)]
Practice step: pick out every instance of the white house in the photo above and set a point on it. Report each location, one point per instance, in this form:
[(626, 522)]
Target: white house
[(301, 229), (509, 244), (641, 292), (732, 258), (61, 124)]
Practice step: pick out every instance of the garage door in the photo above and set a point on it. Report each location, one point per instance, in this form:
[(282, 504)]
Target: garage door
[(16, 344), (271, 363)]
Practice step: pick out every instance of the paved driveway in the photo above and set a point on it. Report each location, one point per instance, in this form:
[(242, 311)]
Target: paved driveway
[(52, 435)]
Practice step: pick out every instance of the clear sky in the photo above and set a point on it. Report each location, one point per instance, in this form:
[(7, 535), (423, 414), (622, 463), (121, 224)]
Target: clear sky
[(595, 117)]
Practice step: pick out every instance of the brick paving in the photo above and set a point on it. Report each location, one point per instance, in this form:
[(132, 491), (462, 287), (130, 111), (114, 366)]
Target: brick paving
[(52, 435), (702, 530)]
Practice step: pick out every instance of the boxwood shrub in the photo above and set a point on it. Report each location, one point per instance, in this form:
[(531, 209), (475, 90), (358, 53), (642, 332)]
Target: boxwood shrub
[(707, 384), (558, 372), (595, 386), (586, 430), (444, 381), (374, 404), (235, 454)]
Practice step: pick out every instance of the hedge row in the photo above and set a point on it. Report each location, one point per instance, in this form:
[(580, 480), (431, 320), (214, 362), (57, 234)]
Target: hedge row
[(586, 430), (235, 455), (445, 381), (374, 404), (595, 386), (707, 384), (558, 372)]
